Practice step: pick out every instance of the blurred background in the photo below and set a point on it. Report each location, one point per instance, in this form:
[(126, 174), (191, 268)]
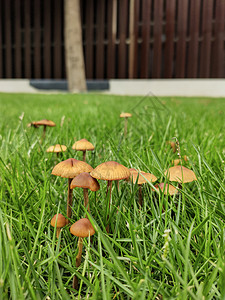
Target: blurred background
[(121, 39)]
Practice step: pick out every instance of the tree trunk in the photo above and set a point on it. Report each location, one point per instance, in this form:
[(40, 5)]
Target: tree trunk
[(74, 47)]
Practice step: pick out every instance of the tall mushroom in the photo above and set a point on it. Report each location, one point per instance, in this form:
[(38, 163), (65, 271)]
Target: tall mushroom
[(110, 170), (82, 228), (140, 178), (125, 116), (70, 168), (83, 145), (86, 181), (44, 123)]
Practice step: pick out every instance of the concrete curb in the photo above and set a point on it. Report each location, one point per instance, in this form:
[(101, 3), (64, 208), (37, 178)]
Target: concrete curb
[(159, 87)]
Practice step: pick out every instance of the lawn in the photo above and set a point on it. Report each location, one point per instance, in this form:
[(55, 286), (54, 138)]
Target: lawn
[(171, 247)]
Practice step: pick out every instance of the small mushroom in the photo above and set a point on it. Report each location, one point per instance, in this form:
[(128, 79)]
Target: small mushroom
[(59, 221), (70, 168), (56, 149), (110, 170), (86, 181), (83, 145), (125, 116), (141, 178), (44, 123), (166, 189), (82, 229)]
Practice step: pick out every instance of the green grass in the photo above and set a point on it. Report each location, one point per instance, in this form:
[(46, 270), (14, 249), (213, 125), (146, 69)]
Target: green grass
[(132, 261)]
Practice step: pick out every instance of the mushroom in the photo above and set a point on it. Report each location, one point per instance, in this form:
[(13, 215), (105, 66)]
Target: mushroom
[(44, 123), (166, 188), (85, 181), (59, 221), (56, 149), (82, 228), (141, 178), (180, 174), (110, 170), (83, 145), (70, 168), (125, 116)]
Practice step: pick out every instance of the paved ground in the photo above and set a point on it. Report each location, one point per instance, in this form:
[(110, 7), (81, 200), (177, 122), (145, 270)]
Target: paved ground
[(161, 87)]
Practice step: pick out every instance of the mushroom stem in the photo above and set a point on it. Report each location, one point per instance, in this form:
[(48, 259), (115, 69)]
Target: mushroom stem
[(69, 200), (86, 200), (78, 261), (109, 189), (125, 127), (140, 195), (44, 132), (58, 232), (84, 155)]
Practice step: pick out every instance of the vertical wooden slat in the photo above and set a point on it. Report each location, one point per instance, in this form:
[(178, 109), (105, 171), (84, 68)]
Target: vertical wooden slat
[(111, 34), (206, 36), (1, 41), (181, 36), (169, 43), (123, 14), (37, 39), (218, 52), (47, 39), (89, 38), (8, 42), (157, 46), (100, 40), (193, 49), (18, 44), (133, 33), (57, 51), (27, 40), (145, 46)]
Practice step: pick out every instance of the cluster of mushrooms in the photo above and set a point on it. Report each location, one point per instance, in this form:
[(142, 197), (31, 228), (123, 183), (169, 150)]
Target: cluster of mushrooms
[(81, 174)]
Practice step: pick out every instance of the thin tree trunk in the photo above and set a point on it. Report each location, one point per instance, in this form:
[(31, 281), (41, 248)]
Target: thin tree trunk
[(74, 47)]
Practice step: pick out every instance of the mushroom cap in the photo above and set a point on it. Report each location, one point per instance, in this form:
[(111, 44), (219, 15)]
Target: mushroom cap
[(169, 189), (85, 181), (125, 115), (83, 145), (110, 170), (70, 168), (82, 228), (180, 174), (61, 221), (176, 162), (44, 122), (142, 177), (57, 148)]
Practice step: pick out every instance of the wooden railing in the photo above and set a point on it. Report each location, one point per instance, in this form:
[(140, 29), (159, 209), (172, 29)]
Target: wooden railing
[(121, 38)]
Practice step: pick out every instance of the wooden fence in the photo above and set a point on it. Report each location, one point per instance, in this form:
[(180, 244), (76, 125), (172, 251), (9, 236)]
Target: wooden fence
[(121, 38)]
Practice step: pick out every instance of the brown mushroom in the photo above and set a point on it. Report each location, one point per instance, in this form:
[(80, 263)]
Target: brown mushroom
[(110, 170), (141, 178), (86, 181), (125, 116), (166, 189), (83, 145), (56, 149), (180, 174), (44, 123), (59, 221), (82, 228), (70, 168)]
